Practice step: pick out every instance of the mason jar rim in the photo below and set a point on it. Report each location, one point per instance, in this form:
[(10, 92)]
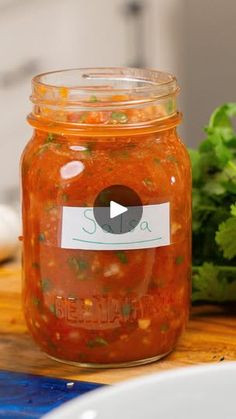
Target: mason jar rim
[(74, 85)]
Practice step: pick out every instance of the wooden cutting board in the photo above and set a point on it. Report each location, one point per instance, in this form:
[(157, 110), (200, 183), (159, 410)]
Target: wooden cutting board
[(210, 337)]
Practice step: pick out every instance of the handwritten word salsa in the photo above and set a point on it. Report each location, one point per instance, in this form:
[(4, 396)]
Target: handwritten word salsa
[(92, 306)]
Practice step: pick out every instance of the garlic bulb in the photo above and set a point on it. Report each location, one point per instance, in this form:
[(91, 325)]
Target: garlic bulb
[(9, 231)]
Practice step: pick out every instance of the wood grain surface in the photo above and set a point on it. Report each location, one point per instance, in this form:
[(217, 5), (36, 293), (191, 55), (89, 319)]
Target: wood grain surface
[(210, 337)]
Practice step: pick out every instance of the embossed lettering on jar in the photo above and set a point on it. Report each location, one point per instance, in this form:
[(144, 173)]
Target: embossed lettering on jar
[(105, 304)]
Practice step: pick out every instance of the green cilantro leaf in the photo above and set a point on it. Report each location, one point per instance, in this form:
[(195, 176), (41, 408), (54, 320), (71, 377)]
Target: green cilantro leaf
[(226, 237), (214, 283), (214, 209), (220, 122), (233, 209)]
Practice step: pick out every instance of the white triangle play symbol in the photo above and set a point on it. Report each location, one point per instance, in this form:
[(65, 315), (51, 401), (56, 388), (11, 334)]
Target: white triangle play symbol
[(116, 209)]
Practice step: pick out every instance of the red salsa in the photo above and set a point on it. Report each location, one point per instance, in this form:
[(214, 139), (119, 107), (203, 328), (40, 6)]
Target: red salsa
[(104, 307)]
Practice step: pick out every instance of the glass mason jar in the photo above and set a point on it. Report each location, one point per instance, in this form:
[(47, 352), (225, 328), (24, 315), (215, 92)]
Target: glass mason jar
[(93, 297)]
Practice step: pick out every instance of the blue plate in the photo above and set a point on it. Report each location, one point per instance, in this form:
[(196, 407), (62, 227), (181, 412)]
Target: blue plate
[(31, 396)]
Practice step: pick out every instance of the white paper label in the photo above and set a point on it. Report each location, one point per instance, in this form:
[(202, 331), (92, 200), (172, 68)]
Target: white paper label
[(81, 231)]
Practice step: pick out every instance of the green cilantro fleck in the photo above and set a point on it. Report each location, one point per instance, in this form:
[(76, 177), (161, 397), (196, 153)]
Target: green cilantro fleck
[(64, 197), (157, 161), (93, 99), (83, 117), (42, 149), (98, 341), (83, 264), (41, 237), (126, 309), (88, 150), (52, 308), (36, 301), (170, 106), (119, 117), (46, 284), (172, 159), (78, 264), (50, 138), (179, 260), (122, 256)]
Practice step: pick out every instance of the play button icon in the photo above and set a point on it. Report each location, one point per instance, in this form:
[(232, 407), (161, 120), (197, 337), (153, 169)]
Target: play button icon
[(118, 209)]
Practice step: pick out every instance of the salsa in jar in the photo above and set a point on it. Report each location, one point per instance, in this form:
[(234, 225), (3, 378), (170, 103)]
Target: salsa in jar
[(92, 296)]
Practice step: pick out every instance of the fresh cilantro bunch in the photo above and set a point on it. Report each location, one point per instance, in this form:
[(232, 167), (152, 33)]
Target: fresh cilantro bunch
[(214, 210)]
